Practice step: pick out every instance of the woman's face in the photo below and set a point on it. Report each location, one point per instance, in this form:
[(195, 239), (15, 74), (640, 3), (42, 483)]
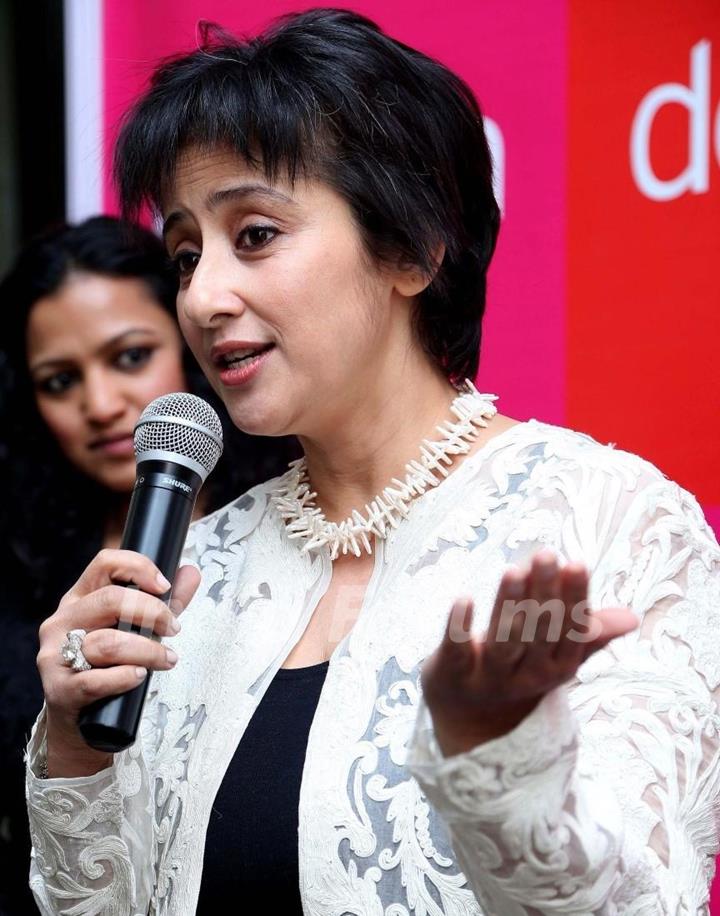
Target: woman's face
[(99, 350), (277, 300)]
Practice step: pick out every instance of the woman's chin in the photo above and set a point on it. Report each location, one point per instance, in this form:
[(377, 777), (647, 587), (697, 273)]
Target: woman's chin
[(117, 483), (259, 423)]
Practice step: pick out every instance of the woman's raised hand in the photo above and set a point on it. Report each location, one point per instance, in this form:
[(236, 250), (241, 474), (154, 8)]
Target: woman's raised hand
[(120, 659), (540, 631)]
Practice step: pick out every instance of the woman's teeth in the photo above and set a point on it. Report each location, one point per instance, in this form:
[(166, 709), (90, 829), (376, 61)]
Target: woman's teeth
[(239, 357), (239, 360)]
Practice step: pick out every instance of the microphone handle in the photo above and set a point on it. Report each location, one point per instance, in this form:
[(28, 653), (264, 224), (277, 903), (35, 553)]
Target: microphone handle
[(159, 516)]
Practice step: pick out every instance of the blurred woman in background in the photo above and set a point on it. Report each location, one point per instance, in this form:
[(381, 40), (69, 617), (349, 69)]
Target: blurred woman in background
[(90, 337)]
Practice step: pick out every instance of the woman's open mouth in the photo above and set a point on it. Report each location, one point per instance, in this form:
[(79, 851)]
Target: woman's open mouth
[(239, 365)]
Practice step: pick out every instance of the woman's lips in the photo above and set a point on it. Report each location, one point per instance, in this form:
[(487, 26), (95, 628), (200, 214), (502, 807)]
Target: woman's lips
[(122, 446), (234, 376)]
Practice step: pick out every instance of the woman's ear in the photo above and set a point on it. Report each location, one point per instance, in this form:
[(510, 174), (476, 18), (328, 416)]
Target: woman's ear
[(410, 281)]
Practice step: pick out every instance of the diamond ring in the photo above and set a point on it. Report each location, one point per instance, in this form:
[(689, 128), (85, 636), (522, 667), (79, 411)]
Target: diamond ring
[(72, 653)]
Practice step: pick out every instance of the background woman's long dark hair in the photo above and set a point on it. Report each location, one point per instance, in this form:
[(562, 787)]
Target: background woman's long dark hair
[(52, 517)]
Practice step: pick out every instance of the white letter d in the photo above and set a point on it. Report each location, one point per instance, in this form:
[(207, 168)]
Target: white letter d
[(696, 99)]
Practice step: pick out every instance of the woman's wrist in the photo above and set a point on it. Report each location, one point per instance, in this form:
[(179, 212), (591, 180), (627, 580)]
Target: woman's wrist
[(458, 736), (68, 759), (59, 766)]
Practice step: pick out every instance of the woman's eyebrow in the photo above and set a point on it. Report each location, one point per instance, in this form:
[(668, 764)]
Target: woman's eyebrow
[(235, 193), (107, 345), (239, 192)]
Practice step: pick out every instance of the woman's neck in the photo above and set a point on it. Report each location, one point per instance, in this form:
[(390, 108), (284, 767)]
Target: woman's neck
[(373, 441)]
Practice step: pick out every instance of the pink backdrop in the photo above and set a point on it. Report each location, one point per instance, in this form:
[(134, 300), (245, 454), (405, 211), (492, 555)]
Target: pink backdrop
[(604, 294)]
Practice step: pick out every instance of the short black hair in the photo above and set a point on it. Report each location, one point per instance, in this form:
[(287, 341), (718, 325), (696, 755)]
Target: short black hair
[(326, 94)]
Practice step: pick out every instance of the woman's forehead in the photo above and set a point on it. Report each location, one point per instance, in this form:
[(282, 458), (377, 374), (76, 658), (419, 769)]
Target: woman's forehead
[(199, 172), (90, 309), (207, 183)]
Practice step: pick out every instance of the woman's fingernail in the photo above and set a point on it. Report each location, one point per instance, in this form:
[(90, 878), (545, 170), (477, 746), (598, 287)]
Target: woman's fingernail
[(171, 656), (140, 672), (162, 581), (175, 625)]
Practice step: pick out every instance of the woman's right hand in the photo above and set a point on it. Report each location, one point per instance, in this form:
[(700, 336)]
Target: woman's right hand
[(120, 659)]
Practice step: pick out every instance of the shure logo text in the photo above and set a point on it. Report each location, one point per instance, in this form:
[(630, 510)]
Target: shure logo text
[(177, 483)]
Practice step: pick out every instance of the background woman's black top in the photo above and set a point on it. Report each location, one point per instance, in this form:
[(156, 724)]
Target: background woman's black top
[(21, 700), (252, 838)]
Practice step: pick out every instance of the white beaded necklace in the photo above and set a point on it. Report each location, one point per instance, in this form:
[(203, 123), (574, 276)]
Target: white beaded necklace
[(294, 500)]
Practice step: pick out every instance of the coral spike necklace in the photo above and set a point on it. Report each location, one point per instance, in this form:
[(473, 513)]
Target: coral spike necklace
[(294, 498)]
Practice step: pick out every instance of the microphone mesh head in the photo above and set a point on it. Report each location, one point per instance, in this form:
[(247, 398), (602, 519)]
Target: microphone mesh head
[(180, 427)]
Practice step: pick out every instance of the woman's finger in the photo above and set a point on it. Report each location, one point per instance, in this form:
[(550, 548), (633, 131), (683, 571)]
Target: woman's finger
[(455, 654), (84, 687), (186, 583), (545, 613), (569, 651), (612, 623), (108, 648), (121, 567), (127, 608), (503, 647), (510, 589), (111, 606)]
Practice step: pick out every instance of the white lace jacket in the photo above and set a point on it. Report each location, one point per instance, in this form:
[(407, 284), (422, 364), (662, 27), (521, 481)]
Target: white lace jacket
[(602, 801)]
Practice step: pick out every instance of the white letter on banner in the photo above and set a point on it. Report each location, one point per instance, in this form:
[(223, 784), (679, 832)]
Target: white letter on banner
[(696, 98), (496, 143)]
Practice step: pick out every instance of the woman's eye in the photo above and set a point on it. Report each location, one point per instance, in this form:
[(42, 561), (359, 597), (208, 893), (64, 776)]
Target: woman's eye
[(258, 236), (57, 383), (133, 357), (184, 262)]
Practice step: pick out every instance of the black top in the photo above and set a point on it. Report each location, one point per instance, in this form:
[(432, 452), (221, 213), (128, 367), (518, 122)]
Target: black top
[(21, 699), (252, 837)]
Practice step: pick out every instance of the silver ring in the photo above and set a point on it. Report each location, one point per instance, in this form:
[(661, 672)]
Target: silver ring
[(72, 653)]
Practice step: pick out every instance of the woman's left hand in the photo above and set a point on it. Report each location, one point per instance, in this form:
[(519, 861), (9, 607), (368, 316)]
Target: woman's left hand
[(480, 688)]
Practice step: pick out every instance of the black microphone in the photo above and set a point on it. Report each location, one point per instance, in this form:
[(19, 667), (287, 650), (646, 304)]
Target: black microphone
[(178, 441)]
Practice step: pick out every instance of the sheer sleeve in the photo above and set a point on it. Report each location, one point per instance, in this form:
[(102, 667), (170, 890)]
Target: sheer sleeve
[(604, 799), (102, 844), (92, 836)]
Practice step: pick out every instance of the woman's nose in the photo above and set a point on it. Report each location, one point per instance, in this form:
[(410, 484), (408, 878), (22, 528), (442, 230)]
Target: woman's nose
[(210, 296), (103, 398)]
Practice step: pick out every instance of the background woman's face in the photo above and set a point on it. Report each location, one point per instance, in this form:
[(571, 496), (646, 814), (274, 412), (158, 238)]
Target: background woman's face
[(281, 268), (99, 350)]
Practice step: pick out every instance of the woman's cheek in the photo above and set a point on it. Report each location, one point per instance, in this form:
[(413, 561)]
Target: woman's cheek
[(192, 337), (165, 375), (60, 421)]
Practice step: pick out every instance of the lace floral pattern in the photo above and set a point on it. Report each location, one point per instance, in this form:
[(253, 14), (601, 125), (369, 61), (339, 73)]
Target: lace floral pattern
[(601, 801)]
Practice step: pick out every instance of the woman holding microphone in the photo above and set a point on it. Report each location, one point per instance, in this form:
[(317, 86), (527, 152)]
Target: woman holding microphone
[(448, 663)]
